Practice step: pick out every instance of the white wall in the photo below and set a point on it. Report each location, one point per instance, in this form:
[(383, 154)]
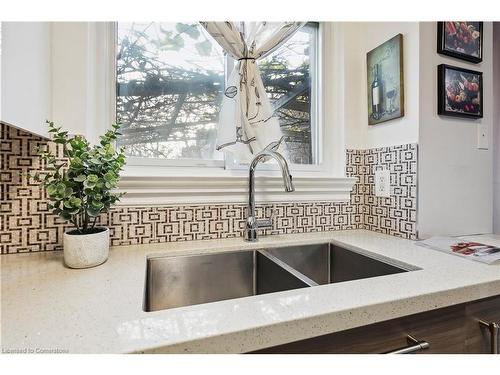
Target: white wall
[(455, 179), (455, 187), (496, 127), (26, 75), (361, 37)]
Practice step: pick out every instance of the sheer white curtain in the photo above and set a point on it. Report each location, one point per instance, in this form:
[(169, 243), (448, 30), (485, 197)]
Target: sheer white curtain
[(246, 121)]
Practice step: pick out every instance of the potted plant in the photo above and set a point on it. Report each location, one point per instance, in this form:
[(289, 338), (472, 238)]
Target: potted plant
[(80, 187)]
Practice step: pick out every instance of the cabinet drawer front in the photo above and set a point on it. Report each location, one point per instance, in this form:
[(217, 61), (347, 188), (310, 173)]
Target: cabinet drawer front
[(479, 338), (442, 329)]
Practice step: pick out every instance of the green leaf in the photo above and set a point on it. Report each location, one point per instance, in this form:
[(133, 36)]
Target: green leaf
[(92, 212), (73, 211), (80, 178), (51, 189), (87, 191), (76, 162), (109, 176), (68, 191), (92, 178), (73, 202), (66, 215), (60, 188), (91, 181), (96, 205)]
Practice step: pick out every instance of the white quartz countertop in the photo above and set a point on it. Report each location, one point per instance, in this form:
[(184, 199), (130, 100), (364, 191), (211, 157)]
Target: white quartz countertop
[(46, 306)]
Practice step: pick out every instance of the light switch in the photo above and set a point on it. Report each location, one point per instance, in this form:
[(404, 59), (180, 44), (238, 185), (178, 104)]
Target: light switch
[(382, 183), (483, 138)]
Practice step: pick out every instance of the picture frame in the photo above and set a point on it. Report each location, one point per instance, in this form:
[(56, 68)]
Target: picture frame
[(385, 81), (460, 92), (461, 39)]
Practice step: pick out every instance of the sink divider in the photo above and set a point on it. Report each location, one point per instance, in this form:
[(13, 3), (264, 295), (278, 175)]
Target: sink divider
[(306, 280)]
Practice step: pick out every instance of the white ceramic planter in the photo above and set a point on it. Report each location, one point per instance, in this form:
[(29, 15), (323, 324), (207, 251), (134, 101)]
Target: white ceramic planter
[(86, 250)]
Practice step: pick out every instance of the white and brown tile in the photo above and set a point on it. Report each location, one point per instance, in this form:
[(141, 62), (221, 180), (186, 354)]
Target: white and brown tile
[(395, 215), (27, 225)]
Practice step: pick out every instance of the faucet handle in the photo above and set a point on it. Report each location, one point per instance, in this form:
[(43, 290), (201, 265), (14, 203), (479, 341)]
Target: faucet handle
[(266, 222)]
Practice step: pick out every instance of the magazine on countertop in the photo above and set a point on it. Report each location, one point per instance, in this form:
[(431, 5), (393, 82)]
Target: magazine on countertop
[(464, 248)]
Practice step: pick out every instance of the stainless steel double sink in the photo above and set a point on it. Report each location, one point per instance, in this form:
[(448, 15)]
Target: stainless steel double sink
[(175, 281)]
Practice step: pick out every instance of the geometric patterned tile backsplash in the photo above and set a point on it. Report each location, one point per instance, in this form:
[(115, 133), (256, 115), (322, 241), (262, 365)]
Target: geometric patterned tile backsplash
[(395, 215), (26, 224)]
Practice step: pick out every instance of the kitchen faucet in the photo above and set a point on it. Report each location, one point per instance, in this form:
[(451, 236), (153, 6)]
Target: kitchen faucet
[(252, 223)]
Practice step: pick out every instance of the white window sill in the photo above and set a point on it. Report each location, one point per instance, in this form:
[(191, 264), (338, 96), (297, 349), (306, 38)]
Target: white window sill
[(161, 190)]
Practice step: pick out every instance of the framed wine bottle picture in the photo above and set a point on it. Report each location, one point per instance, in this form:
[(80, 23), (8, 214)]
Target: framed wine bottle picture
[(385, 81)]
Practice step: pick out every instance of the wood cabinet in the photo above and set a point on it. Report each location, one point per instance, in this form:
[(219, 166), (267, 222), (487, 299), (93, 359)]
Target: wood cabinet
[(449, 330), (478, 337)]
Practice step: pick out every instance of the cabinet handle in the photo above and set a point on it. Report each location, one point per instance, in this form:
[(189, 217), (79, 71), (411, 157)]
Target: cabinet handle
[(494, 329), (414, 345)]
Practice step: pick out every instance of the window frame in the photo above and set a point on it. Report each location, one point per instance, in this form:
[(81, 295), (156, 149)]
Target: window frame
[(157, 181), (227, 162)]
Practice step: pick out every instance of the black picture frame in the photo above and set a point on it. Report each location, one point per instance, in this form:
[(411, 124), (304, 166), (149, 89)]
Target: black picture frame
[(443, 49), (459, 109)]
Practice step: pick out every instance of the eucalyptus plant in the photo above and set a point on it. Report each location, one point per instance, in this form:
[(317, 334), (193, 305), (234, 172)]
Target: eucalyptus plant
[(81, 186)]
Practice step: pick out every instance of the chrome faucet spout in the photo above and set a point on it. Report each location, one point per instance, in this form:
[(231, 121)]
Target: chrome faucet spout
[(252, 224)]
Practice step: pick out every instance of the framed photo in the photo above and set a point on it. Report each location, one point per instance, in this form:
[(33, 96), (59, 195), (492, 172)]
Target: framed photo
[(460, 92), (385, 81), (461, 39)]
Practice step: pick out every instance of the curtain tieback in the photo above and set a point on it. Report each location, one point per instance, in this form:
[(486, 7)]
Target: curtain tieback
[(247, 58)]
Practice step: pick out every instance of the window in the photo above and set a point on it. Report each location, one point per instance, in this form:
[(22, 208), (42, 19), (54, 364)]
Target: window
[(170, 82), (289, 75)]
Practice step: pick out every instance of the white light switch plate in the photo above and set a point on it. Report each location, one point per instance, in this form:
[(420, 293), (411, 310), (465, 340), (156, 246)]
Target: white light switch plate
[(483, 139), (382, 183)]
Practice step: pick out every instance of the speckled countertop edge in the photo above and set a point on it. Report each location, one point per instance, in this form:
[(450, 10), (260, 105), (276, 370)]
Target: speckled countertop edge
[(99, 310)]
